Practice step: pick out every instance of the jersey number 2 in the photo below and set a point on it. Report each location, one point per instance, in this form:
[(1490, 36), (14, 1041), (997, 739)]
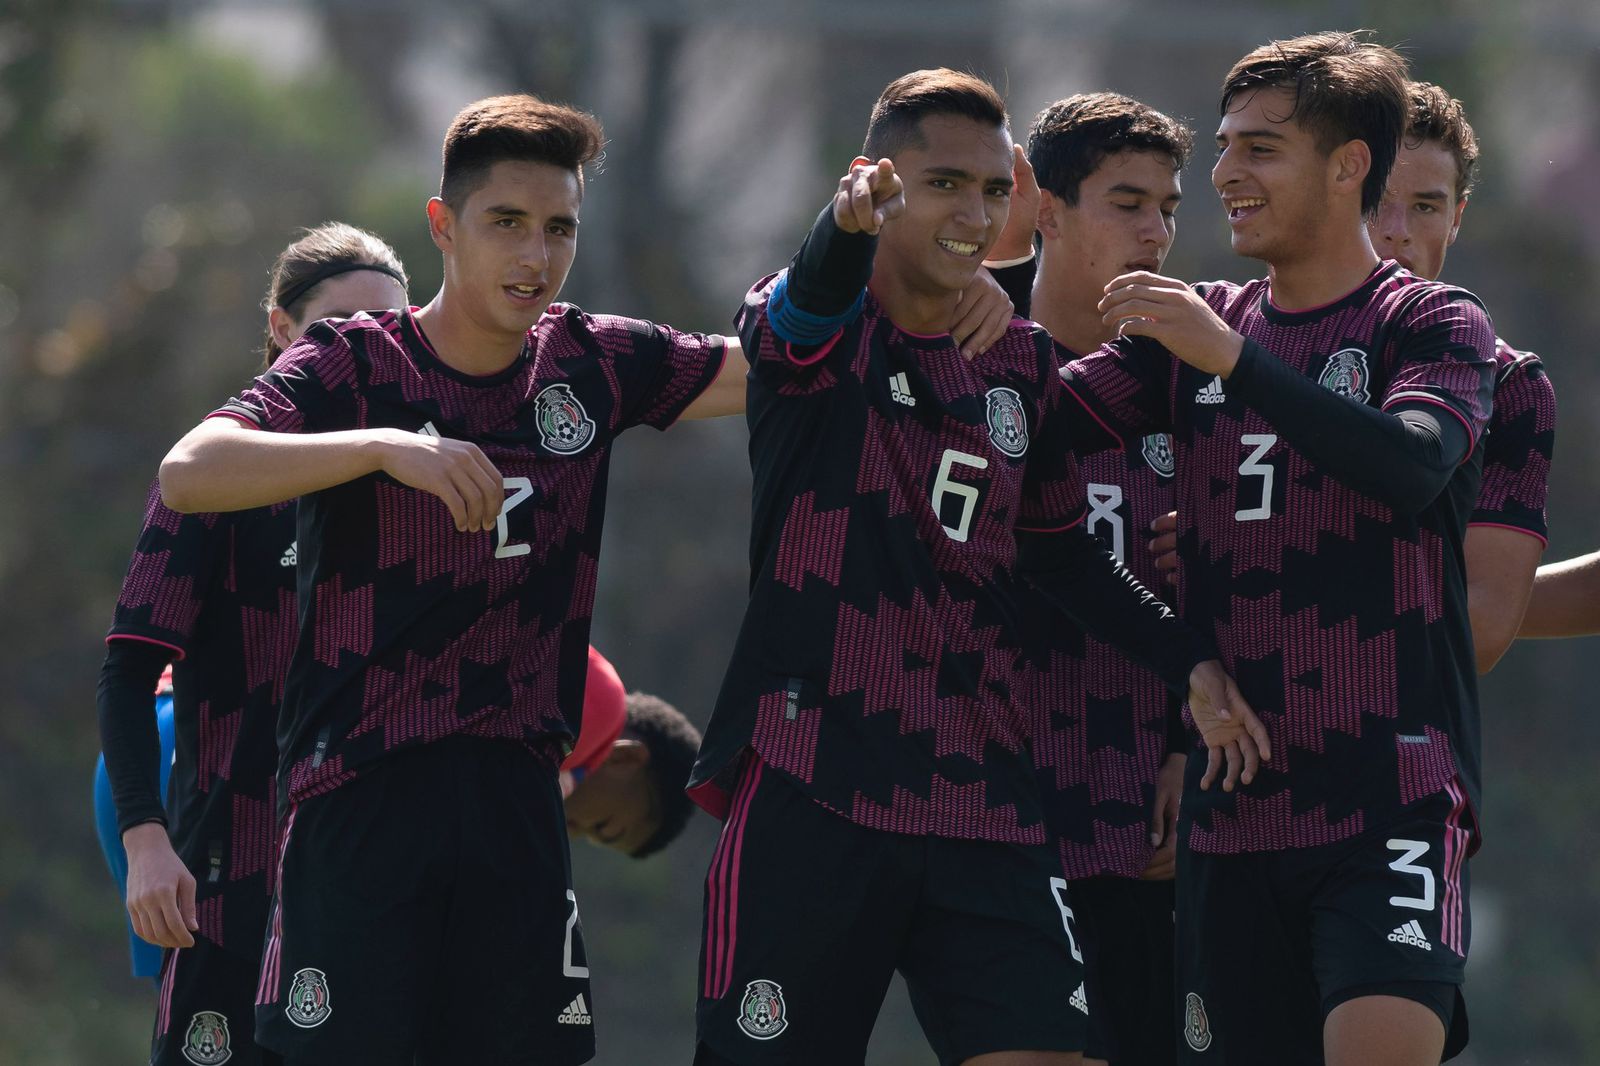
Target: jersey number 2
[(520, 488)]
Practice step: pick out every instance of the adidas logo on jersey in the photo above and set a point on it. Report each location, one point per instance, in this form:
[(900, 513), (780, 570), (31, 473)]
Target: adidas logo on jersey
[(1411, 933), (1212, 393), (292, 556), (1079, 1000), (577, 1013), (900, 390)]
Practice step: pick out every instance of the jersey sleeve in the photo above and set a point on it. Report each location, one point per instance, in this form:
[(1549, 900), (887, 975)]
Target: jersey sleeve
[(1446, 358), (788, 367), (311, 388), (167, 579), (1052, 485), (1118, 394), (605, 711), (659, 371), (1518, 450)]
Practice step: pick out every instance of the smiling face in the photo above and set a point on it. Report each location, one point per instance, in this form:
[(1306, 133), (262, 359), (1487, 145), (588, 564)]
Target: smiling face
[(508, 249), (958, 195), (1125, 220), (1420, 214), (1283, 193)]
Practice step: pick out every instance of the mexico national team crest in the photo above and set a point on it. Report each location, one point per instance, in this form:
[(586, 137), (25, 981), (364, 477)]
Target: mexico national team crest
[(762, 1012), (1346, 374), (1008, 423), (207, 1042), (1158, 453), (309, 1005), (564, 426), (1196, 1027)]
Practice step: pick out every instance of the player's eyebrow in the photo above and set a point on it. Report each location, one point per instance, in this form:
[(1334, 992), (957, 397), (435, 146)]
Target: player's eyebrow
[(1124, 189), (507, 211), (957, 174), (1433, 194), (1251, 135)]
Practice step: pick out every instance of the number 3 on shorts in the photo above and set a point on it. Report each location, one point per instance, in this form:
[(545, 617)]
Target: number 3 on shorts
[(1058, 892), (1407, 864)]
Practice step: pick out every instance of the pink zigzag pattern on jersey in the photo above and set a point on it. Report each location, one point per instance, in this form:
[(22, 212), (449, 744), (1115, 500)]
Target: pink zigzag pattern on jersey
[(253, 842), (788, 745), (269, 637), (1419, 575), (343, 622), (812, 542), (967, 805), (218, 736)]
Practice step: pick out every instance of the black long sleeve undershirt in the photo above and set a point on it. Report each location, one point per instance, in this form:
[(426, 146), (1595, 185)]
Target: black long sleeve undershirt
[(831, 268), (1017, 282), (1404, 456), (129, 739), (1077, 574)]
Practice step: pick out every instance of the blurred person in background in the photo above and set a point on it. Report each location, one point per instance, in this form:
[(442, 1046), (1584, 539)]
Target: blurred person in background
[(214, 595)]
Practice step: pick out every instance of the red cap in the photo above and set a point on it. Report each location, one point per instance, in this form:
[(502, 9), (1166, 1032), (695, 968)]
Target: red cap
[(605, 711)]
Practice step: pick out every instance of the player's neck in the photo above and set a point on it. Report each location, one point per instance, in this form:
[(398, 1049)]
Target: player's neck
[(462, 344), (1327, 271), (913, 310), (1067, 313)]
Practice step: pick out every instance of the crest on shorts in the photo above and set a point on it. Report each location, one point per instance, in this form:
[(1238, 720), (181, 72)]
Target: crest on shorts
[(309, 1004), (1196, 1026), (763, 1013), (564, 426), (207, 1042), (1008, 423), (1158, 453), (1346, 374)]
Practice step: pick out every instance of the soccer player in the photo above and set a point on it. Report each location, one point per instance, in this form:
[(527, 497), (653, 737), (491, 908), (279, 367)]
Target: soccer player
[(623, 781), (1416, 224), (214, 595), (1325, 421), (451, 467), (867, 749), (1107, 734)]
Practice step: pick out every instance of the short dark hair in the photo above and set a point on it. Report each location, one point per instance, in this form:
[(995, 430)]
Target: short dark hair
[(673, 743), (896, 122), (1071, 138), (1435, 115), (521, 128), (328, 246), (1345, 89)]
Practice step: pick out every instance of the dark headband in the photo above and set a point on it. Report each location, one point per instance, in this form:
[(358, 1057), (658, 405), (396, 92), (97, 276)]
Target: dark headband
[(332, 270)]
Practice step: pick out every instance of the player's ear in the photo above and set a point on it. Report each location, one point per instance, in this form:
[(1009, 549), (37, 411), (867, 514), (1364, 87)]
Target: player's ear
[(1455, 223), (1049, 222), (441, 224), (1351, 163), (283, 327), (627, 754)]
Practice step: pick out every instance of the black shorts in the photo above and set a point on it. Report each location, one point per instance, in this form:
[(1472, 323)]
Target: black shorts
[(425, 913), (205, 1012), (1125, 929), (808, 916), (1269, 943)]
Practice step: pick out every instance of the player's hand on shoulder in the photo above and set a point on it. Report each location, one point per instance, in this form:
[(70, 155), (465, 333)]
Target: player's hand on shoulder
[(456, 471), (160, 888), (1164, 546), (1232, 733), (868, 196), (983, 315), (1144, 304)]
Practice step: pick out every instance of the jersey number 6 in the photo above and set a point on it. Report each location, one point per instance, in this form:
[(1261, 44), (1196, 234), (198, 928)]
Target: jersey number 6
[(968, 494)]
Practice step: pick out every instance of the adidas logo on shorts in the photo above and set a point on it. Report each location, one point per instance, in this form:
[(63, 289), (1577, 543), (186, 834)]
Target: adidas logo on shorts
[(1211, 393), (1079, 1000), (577, 1013), (1411, 933)]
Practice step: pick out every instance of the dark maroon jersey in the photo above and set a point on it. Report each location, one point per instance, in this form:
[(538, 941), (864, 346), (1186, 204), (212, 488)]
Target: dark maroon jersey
[(411, 631), (1344, 622), (875, 666), (1518, 445), (1100, 721), (219, 591)]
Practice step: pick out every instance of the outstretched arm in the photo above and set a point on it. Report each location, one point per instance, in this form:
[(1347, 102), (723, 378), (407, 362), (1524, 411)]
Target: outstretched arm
[(1565, 600)]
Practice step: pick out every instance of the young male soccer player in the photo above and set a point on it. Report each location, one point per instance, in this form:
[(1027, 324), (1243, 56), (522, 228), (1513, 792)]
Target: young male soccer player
[(867, 748), (1325, 422), (1415, 226), (214, 595), (451, 469), (1107, 733)]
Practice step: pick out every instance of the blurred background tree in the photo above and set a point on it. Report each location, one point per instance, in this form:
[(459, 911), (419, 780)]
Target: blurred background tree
[(154, 156)]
